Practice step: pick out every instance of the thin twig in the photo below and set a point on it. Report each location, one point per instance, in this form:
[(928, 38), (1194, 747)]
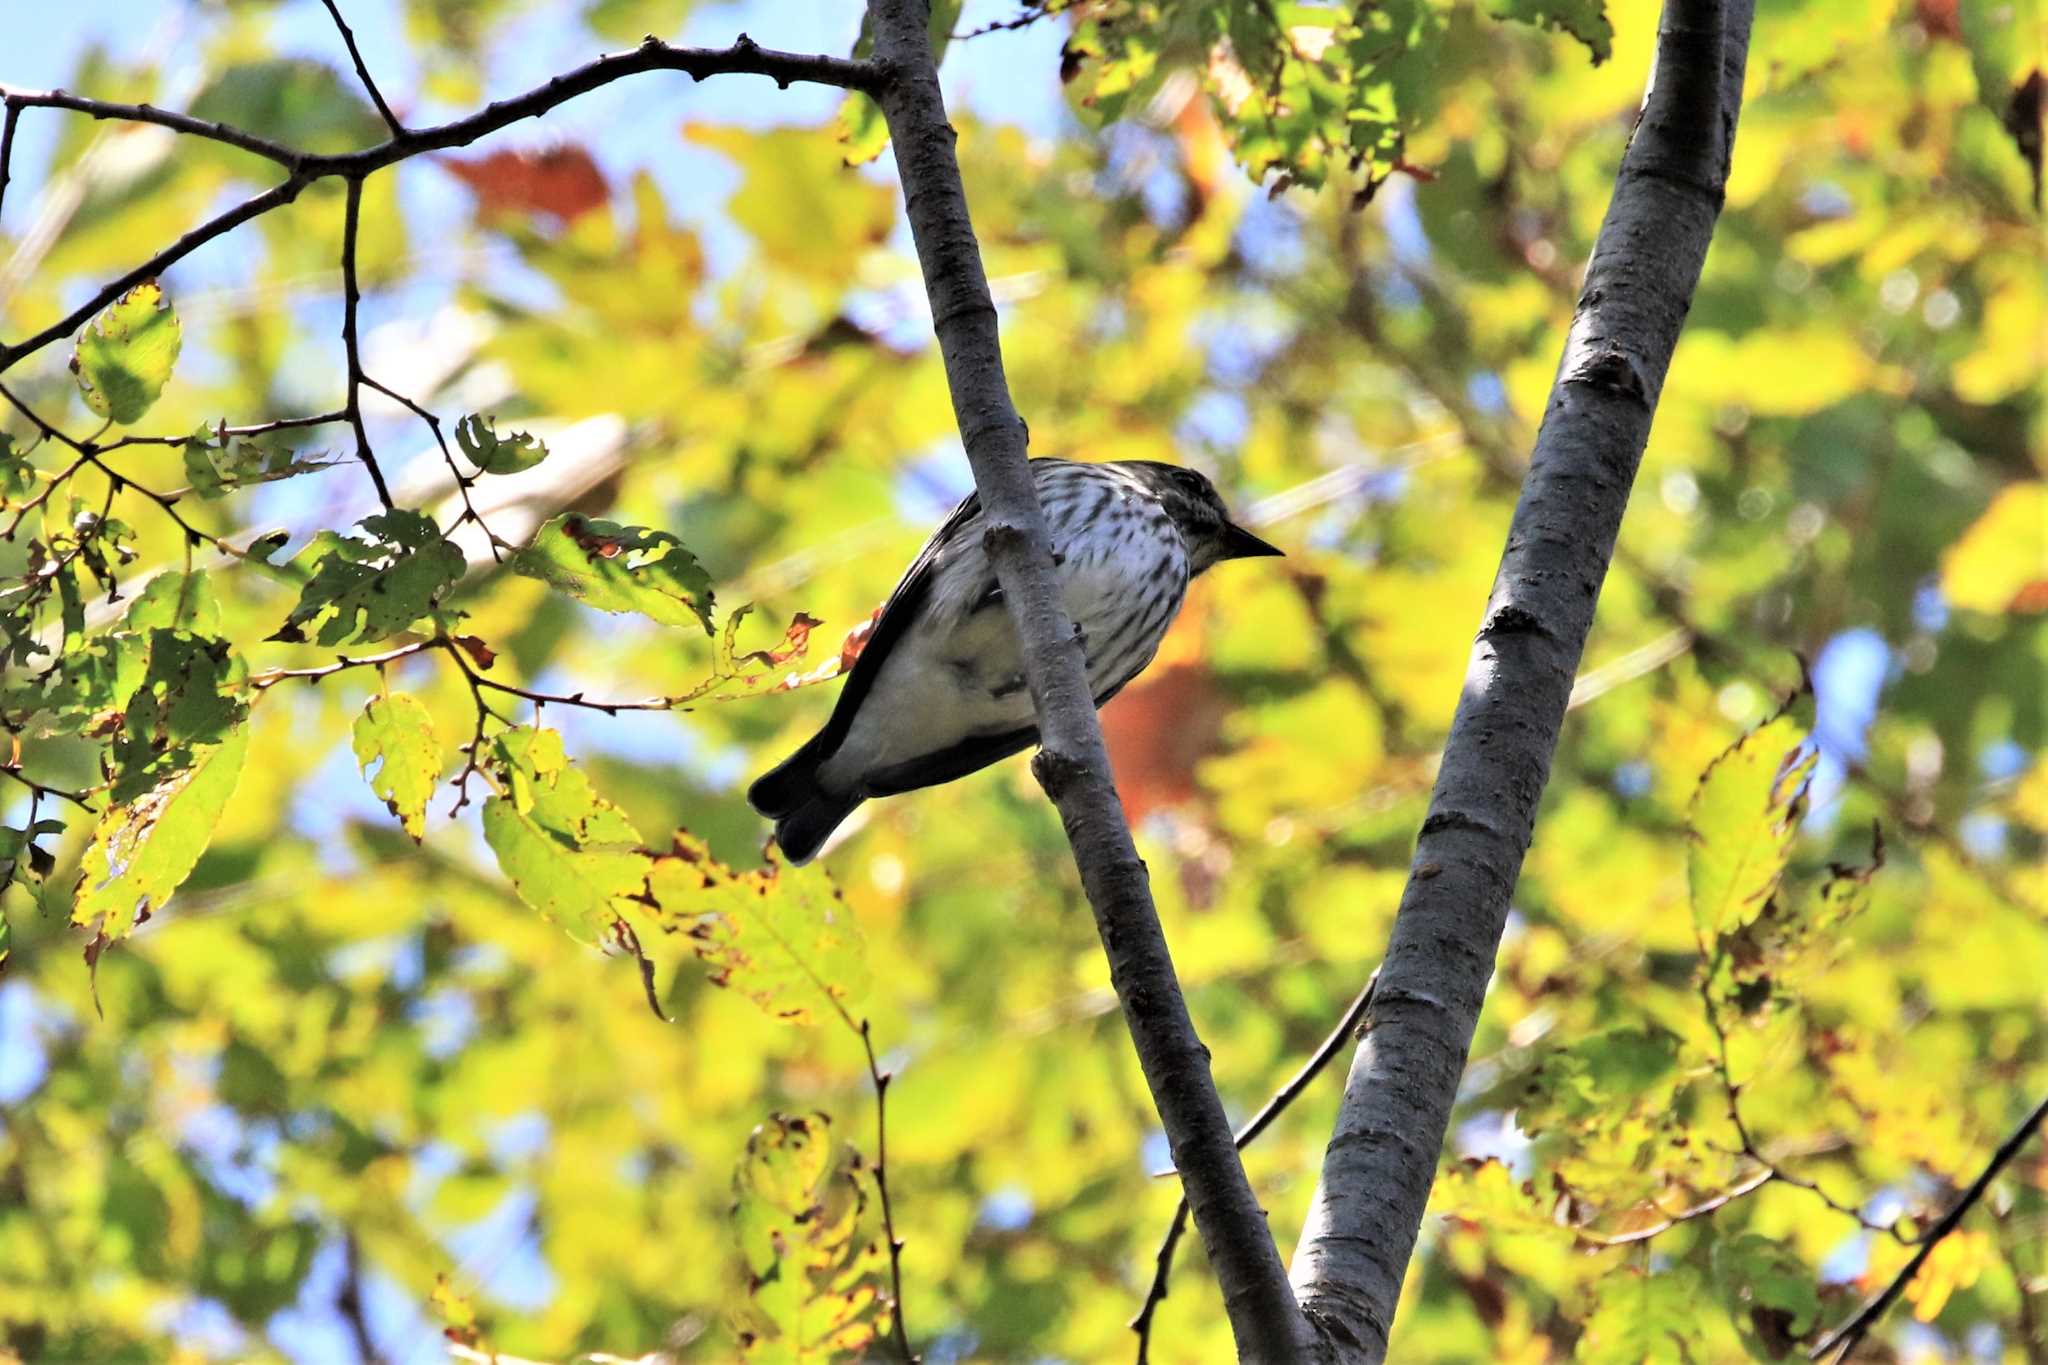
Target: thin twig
[(233, 218), (7, 149), (263, 682), (473, 751), (1844, 1339), (463, 482), (89, 452), (1750, 1147), (363, 72), (223, 432), (38, 790), (880, 1079), (1348, 1028), (1749, 1184), (348, 1299), (744, 56), (288, 157), (351, 299)]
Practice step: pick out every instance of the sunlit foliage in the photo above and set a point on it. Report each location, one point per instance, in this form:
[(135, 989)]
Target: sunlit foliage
[(1765, 1004)]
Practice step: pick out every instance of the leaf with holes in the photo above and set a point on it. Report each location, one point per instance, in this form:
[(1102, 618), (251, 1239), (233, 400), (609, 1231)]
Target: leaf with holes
[(17, 472), (1742, 820), (784, 937), (1585, 20), (363, 590), (395, 736), (495, 454), (124, 356), (620, 569), (24, 861), (216, 467), (570, 854), (143, 850), (814, 1272), (185, 703)]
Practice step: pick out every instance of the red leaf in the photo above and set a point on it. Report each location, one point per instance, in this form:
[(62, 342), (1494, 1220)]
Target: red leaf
[(562, 182)]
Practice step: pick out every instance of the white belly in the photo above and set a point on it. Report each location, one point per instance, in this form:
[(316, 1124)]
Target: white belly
[(957, 673)]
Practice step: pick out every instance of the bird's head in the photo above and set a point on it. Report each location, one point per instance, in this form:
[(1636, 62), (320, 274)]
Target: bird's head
[(1205, 524)]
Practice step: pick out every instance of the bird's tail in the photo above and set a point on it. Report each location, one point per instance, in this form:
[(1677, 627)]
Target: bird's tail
[(805, 814)]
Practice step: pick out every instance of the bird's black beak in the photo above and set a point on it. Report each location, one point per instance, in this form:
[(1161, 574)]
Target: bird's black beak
[(1239, 543)]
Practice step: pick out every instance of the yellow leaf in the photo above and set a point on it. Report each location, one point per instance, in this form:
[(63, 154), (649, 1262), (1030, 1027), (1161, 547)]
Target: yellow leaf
[(1955, 1263), (2004, 553)]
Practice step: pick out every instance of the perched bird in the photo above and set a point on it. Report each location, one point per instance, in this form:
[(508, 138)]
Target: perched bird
[(938, 690)]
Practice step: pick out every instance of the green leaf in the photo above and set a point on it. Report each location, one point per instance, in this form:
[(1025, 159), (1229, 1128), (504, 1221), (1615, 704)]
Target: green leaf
[(125, 355), (184, 705), (215, 467), (2001, 562), (620, 569), (17, 473), (1642, 1319), (303, 103), (25, 861), (1585, 20), (142, 850), (1760, 1275), (395, 735), (364, 590), (495, 454), (814, 1275), (810, 213), (1742, 821), (784, 937), (175, 601), (569, 853), (626, 21)]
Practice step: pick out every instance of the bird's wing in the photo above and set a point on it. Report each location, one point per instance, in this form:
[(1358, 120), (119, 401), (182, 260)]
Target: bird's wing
[(896, 615)]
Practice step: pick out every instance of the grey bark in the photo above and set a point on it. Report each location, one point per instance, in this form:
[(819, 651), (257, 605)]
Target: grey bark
[(1072, 763), (1377, 1170)]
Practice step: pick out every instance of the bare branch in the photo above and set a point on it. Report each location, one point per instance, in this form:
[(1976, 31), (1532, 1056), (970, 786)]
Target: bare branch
[(7, 149), (880, 1079), (38, 790), (348, 38), (224, 432), (149, 113), (463, 482), (89, 453), (1072, 765), (1382, 1158), (254, 207), (1839, 1343), (351, 299)]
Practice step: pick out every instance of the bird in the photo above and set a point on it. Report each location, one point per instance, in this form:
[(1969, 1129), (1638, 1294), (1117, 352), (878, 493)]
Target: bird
[(937, 691)]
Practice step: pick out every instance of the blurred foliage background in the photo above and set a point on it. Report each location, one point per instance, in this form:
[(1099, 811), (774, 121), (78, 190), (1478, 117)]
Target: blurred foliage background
[(340, 1065)]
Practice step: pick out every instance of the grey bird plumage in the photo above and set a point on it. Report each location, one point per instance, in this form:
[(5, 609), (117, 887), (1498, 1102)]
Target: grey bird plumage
[(938, 691)]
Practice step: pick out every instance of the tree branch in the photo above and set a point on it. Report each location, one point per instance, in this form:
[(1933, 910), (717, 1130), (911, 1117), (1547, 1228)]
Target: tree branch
[(1072, 765), (1838, 1344), (348, 39), (745, 56), (351, 302), (1350, 1028), (1377, 1171), (254, 207)]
